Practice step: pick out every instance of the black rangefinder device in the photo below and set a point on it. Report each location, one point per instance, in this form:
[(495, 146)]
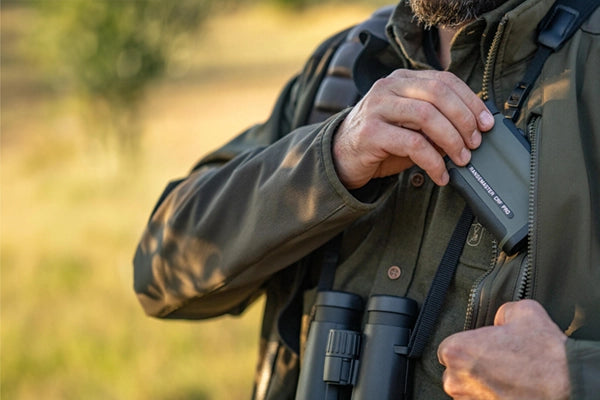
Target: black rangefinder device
[(495, 184)]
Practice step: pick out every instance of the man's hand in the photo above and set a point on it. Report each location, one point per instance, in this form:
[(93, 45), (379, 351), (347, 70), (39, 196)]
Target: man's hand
[(407, 118), (521, 357)]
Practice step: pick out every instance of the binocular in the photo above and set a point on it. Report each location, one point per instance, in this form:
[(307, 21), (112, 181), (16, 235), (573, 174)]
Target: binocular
[(341, 362)]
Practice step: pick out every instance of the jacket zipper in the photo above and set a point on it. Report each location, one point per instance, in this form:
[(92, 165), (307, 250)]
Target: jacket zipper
[(525, 284), (489, 62), (474, 295)]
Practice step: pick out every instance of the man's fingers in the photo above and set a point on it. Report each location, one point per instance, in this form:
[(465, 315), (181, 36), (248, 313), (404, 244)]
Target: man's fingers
[(440, 95), (409, 117), (501, 315), (455, 385), (485, 120), (422, 116), (452, 351), (517, 310), (450, 95), (402, 142)]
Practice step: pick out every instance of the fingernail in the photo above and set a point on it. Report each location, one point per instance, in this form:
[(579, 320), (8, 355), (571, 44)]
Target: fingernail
[(486, 119), (445, 178), (475, 139), (465, 155)]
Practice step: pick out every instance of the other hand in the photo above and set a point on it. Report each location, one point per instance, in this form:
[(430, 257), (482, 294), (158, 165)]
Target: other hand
[(407, 118), (521, 357)]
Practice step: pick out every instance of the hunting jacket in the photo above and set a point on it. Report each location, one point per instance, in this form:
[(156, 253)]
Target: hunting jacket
[(252, 217)]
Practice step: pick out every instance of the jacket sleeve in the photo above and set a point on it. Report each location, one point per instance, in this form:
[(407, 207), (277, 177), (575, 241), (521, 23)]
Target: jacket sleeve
[(584, 368), (224, 230), (257, 205)]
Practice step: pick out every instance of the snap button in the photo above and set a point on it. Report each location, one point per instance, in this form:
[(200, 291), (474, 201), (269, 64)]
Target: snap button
[(417, 179), (394, 272)]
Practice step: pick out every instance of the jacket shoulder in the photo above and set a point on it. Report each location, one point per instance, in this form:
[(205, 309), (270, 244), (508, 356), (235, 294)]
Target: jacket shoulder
[(592, 25), (333, 87)]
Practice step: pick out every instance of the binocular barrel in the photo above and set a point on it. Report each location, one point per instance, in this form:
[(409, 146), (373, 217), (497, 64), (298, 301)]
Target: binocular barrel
[(341, 363), (334, 311), (384, 365)]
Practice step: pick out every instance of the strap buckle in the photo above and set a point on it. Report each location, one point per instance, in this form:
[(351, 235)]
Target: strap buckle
[(512, 106)]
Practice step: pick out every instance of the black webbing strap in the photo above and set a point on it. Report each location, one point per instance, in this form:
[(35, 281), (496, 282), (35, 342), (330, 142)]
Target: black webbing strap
[(439, 286), (561, 22)]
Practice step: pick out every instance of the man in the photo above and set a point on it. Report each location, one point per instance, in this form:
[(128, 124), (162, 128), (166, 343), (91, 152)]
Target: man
[(255, 217)]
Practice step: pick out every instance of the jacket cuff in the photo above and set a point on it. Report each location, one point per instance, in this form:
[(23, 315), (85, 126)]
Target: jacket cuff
[(583, 357), (368, 196)]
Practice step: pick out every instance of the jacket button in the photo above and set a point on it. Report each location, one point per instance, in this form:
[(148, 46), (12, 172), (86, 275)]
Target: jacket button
[(394, 272), (417, 179)]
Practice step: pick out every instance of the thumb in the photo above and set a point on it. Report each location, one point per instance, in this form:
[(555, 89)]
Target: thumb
[(517, 310), (502, 316)]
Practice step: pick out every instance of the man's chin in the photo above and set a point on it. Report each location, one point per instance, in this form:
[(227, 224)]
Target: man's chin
[(450, 13)]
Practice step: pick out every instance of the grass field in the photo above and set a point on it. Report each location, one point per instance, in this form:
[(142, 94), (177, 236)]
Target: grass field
[(73, 210)]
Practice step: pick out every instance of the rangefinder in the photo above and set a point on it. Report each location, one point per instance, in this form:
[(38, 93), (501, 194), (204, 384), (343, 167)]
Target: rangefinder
[(495, 183)]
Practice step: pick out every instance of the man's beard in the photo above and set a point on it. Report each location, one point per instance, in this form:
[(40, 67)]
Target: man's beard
[(450, 13)]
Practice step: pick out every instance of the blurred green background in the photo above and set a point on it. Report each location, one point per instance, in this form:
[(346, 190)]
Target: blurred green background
[(103, 102)]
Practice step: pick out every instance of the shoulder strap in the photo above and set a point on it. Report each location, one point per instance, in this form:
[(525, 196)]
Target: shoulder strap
[(561, 22), (439, 286), (337, 89)]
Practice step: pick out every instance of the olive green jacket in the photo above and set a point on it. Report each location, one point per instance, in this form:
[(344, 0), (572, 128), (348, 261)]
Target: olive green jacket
[(251, 217)]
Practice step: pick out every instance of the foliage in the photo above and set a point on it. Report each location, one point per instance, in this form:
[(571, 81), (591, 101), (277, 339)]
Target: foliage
[(71, 216), (108, 52)]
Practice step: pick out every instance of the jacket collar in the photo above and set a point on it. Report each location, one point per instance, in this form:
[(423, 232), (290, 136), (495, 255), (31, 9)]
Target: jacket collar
[(521, 18)]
